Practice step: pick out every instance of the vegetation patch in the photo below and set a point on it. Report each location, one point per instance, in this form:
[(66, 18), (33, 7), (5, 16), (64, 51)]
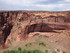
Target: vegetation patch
[(29, 44), (25, 51), (42, 44), (19, 50), (54, 52)]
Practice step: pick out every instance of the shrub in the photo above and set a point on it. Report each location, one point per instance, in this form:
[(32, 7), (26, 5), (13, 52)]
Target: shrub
[(29, 44), (46, 51), (37, 51), (43, 44), (6, 51), (25, 51), (54, 52), (19, 49), (64, 52)]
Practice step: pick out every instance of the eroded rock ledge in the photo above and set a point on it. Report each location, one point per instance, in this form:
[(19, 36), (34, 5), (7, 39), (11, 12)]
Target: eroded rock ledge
[(16, 25)]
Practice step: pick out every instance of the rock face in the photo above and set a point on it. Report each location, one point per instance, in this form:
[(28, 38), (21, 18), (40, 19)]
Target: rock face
[(16, 25)]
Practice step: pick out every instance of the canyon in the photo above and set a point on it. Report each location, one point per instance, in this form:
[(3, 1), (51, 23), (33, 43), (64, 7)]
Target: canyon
[(20, 25)]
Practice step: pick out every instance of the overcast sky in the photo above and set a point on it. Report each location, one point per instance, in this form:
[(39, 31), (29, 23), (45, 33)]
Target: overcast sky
[(45, 5)]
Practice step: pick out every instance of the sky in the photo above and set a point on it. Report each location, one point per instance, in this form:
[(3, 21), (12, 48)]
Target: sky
[(41, 5)]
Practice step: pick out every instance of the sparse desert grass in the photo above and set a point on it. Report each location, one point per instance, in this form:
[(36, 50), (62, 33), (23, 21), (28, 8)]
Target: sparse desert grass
[(35, 43), (29, 44)]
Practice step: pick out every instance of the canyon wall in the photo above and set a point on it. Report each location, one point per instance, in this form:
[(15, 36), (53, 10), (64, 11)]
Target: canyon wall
[(16, 25)]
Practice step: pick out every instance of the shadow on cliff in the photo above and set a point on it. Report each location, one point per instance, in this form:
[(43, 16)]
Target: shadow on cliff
[(7, 31), (42, 27)]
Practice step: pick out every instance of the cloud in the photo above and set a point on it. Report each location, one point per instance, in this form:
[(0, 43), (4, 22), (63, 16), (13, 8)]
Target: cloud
[(52, 7), (67, 0), (49, 2), (48, 5)]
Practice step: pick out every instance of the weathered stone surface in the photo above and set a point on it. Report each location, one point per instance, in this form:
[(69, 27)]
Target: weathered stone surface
[(16, 25)]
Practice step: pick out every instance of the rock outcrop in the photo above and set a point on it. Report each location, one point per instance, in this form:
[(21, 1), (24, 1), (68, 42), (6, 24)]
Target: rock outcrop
[(16, 25)]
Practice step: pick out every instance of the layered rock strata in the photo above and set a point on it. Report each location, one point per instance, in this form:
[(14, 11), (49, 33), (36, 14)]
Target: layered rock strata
[(16, 25)]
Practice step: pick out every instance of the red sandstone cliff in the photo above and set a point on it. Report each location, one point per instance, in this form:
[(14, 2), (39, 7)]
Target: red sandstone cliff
[(16, 25)]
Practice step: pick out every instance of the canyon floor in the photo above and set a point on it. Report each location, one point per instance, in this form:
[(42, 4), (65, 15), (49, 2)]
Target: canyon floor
[(59, 42)]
